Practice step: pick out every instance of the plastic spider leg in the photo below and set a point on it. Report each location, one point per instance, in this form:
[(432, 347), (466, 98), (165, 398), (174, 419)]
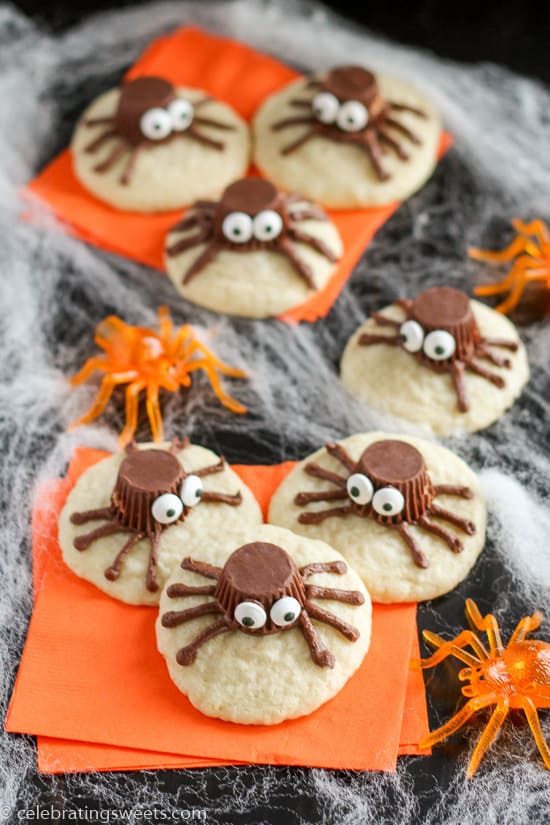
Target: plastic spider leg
[(488, 624), (313, 591), (227, 400), (457, 721), (320, 515), (525, 626), (187, 655), (105, 391), (517, 247), (111, 159), (195, 346), (418, 556), (91, 365), (348, 631), (489, 735), (463, 523), (453, 647), (132, 403), (153, 412), (514, 297), (320, 653), (317, 471), (537, 228), (519, 267), (530, 710), (113, 571), (209, 571), (166, 324), (174, 618)]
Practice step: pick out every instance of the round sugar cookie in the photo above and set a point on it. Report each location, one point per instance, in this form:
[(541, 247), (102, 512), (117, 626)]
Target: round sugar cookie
[(380, 480), (395, 380), (153, 495), (149, 147), (348, 139), (254, 253), (261, 669)]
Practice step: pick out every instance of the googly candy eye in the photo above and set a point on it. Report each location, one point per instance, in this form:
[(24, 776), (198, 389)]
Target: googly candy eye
[(412, 336), (181, 111), (156, 124), (388, 502), (326, 107), (191, 491), (285, 611), (267, 225), (439, 345), (353, 116), (167, 508), (250, 615), (237, 227), (359, 488)]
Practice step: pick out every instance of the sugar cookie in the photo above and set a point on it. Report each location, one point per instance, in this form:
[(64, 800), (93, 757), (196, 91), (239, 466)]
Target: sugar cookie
[(407, 514), (254, 252), (139, 509), (348, 138), (423, 360), (265, 628), (148, 146)]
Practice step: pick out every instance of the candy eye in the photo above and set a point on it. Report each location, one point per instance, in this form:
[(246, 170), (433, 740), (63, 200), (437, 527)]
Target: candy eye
[(250, 615), (191, 491), (167, 508), (388, 502), (439, 345), (353, 116), (359, 488), (181, 111), (412, 336), (326, 107), (237, 227), (156, 124), (285, 611), (267, 225)]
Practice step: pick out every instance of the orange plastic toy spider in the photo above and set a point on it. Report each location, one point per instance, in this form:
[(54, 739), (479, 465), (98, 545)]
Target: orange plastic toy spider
[(531, 250), (511, 677), (146, 360)]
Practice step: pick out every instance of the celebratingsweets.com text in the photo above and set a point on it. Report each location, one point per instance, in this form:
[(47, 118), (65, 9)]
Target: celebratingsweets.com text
[(50, 813)]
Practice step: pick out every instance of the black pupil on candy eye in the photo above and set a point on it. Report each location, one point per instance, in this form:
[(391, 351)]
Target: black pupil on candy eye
[(351, 119), (440, 350), (248, 621), (237, 231), (355, 491), (289, 617), (404, 338), (387, 507), (198, 493), (171, 513)]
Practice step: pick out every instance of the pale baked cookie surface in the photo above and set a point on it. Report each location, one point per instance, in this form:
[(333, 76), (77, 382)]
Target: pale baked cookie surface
[(263, 679), (168, 175), (377, 552), (389, 379), (338, 175), (205, 520), (254, 282)]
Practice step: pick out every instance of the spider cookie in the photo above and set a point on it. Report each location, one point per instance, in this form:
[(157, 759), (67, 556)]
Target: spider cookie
[(264, 628), (348, 138), (128, 519), (149, 146), (439, 360), (254, 252), (407, 514)]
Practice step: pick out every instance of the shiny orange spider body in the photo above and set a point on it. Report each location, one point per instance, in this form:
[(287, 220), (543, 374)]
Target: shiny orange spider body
[(531, 251), (149, 361), (513, 677)]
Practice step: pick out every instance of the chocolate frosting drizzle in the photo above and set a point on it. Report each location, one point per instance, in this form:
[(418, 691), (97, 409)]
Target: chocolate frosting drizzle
[(143, 477), (442, 309), (240, 221), (390, 484), (264, 577), (347, 107), (145, 117)]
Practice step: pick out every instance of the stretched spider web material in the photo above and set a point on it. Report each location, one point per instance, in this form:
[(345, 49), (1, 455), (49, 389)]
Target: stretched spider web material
[(54, 290)]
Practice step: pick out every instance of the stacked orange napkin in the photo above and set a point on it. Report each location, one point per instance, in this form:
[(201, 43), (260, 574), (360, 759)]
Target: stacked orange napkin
[(243, 78), (94, 689)]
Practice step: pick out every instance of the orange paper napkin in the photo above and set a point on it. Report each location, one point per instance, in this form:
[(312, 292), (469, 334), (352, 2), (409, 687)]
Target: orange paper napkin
[(90, 673), (241, 77)]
